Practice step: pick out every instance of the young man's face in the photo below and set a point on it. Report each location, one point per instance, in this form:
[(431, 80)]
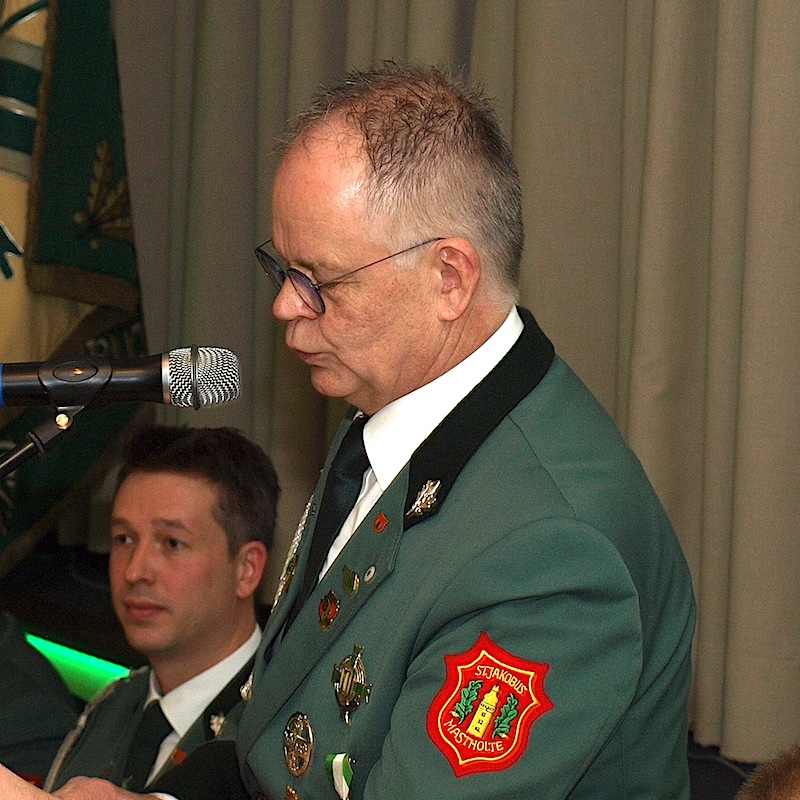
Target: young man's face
[(174, 584)]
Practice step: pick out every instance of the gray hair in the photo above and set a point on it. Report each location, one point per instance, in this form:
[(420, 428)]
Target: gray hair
[(436, 161)]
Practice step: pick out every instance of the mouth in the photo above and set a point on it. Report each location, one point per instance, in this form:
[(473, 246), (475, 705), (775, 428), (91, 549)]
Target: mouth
[(295, 345), (312, 359), (142, 610)]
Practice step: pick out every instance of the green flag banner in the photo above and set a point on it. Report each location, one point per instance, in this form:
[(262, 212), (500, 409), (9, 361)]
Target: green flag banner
[(68, 277)]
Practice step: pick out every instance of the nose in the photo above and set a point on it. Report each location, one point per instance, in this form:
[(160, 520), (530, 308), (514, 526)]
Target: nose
[(288, 305), (140, 566)]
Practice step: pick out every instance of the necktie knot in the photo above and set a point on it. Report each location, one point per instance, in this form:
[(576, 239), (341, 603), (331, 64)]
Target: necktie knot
[(153, 728), (350, 461)]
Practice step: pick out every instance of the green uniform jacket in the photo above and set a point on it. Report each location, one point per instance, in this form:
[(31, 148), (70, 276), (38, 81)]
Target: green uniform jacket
[(36, 708), (520, 626), (99, 746)]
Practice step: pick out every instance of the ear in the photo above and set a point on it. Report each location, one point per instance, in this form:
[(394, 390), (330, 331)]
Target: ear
[(251, 560), (459, 270)]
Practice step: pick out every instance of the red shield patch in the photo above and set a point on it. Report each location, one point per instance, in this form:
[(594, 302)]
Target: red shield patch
[(482, 716)]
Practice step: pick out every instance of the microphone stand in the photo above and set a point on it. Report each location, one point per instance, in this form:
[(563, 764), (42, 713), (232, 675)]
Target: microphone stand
[(41, 440)]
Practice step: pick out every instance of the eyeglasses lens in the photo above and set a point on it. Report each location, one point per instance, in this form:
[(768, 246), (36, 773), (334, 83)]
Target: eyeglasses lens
[(305, 288), (271, 267)]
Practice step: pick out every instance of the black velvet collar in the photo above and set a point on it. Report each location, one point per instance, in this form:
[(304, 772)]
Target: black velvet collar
[(444, 453)]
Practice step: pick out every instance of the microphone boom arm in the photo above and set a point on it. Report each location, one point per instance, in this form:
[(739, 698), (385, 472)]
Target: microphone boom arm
[(40, 440)]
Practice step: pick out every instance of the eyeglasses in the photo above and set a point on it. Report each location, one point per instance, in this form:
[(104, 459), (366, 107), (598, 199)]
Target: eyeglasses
[(308, 290)]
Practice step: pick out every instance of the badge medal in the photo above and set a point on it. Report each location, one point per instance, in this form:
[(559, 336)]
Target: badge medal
[(298, 744), (349, 684)]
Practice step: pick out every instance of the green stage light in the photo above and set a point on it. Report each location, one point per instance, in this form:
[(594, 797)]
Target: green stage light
[(84, 674)]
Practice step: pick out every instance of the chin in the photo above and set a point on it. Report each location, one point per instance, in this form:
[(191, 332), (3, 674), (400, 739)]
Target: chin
[(144, 644), (328, 386)]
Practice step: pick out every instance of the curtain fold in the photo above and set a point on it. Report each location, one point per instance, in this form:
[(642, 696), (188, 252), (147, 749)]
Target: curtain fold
[(763, 649), (712, 544), (657, 143)]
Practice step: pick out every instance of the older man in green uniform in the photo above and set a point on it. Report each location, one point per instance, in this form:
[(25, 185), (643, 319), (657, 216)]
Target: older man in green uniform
[(505, 610)]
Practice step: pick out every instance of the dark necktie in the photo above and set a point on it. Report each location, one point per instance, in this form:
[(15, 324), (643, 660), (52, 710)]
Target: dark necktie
[(152, 730), (340, 495)]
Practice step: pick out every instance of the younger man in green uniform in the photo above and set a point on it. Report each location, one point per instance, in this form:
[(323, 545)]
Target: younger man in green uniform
[(192, 518)]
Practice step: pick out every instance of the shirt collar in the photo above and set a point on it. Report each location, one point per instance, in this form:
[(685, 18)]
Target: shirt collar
[(184, 704), (393, 434)]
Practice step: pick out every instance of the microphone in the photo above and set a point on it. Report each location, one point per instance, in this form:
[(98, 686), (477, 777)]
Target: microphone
[(189, 376)]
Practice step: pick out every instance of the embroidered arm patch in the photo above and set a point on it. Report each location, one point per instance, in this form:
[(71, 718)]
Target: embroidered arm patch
[(482, 716)]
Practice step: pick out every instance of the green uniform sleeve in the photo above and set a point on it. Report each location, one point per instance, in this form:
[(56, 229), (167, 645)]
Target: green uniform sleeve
[(555, 600)]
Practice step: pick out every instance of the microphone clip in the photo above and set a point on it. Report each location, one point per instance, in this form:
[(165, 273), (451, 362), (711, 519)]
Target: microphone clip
[(74, 384)]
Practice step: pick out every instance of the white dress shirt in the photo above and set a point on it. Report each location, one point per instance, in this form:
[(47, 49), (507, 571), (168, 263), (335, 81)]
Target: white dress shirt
[(393, 434), (184, 704)]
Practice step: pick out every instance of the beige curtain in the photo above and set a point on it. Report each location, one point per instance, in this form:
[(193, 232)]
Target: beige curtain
[(658, 146)]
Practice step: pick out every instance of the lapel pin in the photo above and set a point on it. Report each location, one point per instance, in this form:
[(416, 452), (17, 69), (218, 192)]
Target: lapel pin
[(350, 581), (328, 610), (426, 499), (379, 523), (216, 723), (246, 691)]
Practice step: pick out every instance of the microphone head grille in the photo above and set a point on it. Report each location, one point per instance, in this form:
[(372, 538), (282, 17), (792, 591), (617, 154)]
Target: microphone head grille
[(200, 376)]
